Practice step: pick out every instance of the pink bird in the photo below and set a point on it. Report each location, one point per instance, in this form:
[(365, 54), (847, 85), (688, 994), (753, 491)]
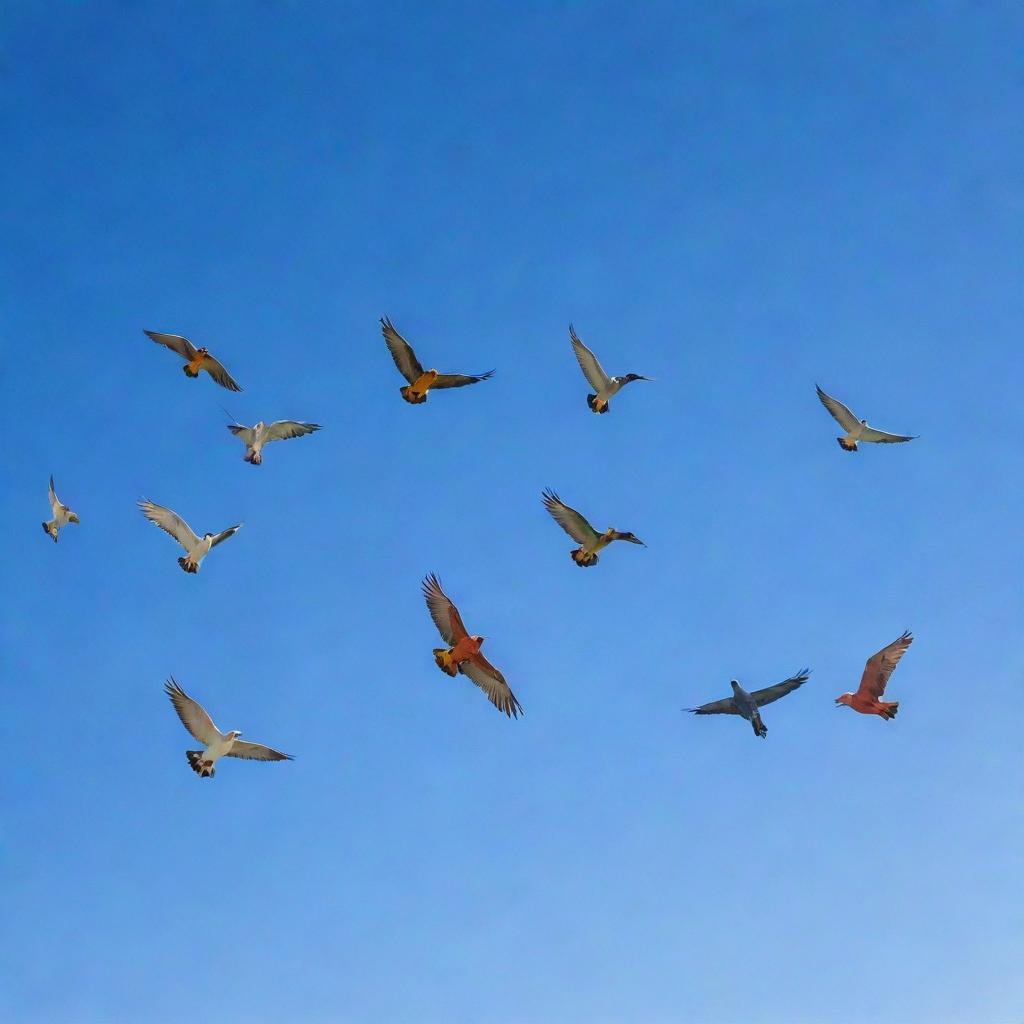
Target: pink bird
[(867, 700)]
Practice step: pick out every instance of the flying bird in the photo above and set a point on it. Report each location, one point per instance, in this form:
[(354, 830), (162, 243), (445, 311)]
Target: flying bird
[(604, 385), (421, 381), (196, 359), (463, 654), (216, 744), (748, 705), (62, 515), (582, 532), (868, 698), (197, 548), (856, 430), (254, 438)]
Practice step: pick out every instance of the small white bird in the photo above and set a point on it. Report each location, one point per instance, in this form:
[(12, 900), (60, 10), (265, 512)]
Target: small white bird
[(62, 515), (256, 437), (856, 430), (197, 548), (604, 385), (216, 743)]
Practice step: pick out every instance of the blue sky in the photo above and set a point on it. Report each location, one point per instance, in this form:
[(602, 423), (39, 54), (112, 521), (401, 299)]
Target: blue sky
[(738, 199)]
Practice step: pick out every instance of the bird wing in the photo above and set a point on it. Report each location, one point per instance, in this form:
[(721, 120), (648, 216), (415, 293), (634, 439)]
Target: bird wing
[(726, 706), (445, 615), (881, 437), (568, 518), (839, 412), (285, 430), (224, 534), (492, 682), (215, 368), (193, 715), (171, 523), (176, 343), (773, 693), (459, 380), (882, 665), (591, 368), (247, 434), (256, 752), (401, 351), (54, 500)]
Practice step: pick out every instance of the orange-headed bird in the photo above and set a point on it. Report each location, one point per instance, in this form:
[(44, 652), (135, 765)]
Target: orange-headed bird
[(867, 700), (421, 381)]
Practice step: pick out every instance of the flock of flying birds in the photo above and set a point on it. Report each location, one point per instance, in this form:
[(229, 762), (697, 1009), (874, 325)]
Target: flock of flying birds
[(462, 653)]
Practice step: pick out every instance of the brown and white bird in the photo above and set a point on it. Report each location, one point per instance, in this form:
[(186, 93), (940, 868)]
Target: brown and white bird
[(254, 438), (856, 430), (196, 359), (604, 386), (197, 548), (589, 540), (62, 515), (463, 653), (421, 381), (868, 698), (216, 744)]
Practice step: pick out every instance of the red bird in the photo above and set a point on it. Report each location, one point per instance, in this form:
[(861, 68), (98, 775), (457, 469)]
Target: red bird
[(867, 700)]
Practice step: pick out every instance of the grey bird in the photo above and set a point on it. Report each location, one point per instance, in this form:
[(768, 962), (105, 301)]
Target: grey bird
[(254, 438), (748, 705), (857, 430), (604, 386)]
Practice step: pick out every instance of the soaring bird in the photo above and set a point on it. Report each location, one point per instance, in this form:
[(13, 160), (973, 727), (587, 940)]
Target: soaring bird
[(196, 359), (748, 705), (256, 437), (217, 744), (604, 385), (582, 532), (868, 698), (463, 655), (856, 430), (62, 515), (197, 547), (421, 381)]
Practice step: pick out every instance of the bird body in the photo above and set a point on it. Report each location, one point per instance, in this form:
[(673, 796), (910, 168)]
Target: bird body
[(196, 547), (196, 359), (868, 698), (748, 705), (574, 524), (421, 381), (856, 430), (604, 386), (254, 438), (62, 515)]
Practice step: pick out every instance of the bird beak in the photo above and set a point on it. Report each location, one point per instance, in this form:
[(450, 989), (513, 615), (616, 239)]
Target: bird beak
[(74, 517), (637, 540), (641, 377)]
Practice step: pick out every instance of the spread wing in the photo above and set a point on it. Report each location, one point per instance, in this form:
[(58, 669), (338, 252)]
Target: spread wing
[(176, 343), (170, 522), (717, 707), (881, 437), (839, 412), (247, 434), (257, 752), (402, 353), (772, 693), (224, 534), (492, 682), (285, 430), (54, 500), (591, 368), (216, 370), (193, 716), (568, 518), (445, 615), (882, 665), (459, 380)]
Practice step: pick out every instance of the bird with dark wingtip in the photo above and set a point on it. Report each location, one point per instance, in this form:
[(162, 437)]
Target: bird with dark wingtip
[(604, 386), (857, 430), (748, 705), (62, 515), (196, 359), (868, 698), (574, 524)]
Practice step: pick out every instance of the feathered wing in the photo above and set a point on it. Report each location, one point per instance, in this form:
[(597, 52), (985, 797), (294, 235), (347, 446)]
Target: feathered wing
[(727, 706), (401, 351), (881, 437), (176, 343), (591, 368), (568, 518), (459, 380), (492, 682), (882, 665), (285, 430), (773, 693), (256, 752), (247, 434), (192, 714), (170, 522), (215, 368), (224, 534), (54, 500), (445, 615), (843, 416)]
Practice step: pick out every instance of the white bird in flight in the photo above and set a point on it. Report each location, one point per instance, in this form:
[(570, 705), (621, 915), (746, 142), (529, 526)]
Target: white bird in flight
[(604, 385), (856, 430), (216, 744), (62, 515), (197, 548), (256, 437)]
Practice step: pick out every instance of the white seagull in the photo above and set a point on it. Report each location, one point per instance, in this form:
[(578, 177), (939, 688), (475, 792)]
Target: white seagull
[(256, 437), (217, 744), (197, 548), (604, 385), (62, 515), (856, 430), (748, 705)]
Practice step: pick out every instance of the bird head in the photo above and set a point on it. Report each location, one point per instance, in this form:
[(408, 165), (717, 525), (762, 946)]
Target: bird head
[(234, 734), (73, 517), (479, 640), (864, 423), (202, 351), (207, 536), (734, 683), (631, 537), (432, 374), (844, 698)]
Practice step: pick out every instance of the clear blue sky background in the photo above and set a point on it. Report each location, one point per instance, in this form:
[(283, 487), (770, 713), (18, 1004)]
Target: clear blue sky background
[(739, 199)]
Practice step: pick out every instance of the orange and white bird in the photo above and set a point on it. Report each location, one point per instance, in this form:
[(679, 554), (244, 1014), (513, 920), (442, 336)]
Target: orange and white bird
[(463, 653), (868, 698), (196, 359), (421, 381), (62, 515), (216, 744), (197, 548), (856, 430), (589, 540), (254, 438)]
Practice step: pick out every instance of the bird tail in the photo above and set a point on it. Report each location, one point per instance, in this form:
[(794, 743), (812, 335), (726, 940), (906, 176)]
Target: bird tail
[(760, 729), (847, 446), (889, 709), (443, 660), (204, 769), (582, 559), (253, 457), (187, 565), (597, 405), (412, 397), (51, 529), (190, 371)]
